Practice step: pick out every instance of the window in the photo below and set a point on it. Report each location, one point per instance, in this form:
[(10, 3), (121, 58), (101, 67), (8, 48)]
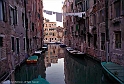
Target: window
[(17, 45), (4, 11), (1, 10), (87, 4), (32, 26), (11, 10), (77, 27), (24, 41), (46, 33), (53, 34), (122, 7), (102, 15), (117, 8), (95, 40), (102, 41), (46, 38), (1, 45), (83, 6), (94, 1), (23, 19), (12, 43), (55, 38), (67, 23), (46, 25), (87, 22), (89, 40), (94, 19), (15, 15), (50, 33), (1, 41), (118, 39)]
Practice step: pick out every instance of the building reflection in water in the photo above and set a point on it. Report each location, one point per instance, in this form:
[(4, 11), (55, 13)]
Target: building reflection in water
[(82, 71), (53, 54), (28, 72)]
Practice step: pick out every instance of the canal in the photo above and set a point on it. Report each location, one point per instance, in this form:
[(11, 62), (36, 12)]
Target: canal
[(58, 67)]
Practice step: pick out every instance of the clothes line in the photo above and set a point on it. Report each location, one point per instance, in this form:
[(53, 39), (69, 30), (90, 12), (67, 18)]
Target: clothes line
[(59, 15)]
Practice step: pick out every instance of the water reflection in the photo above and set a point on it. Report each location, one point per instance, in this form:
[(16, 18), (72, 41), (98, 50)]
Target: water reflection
[(54, 61), (58, 67), (82, 71), (53, 54), (28, 72)]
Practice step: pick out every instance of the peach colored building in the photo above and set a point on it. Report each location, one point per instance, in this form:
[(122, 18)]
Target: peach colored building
[(50, 33)]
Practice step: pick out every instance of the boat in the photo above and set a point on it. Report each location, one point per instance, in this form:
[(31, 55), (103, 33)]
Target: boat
[(62, 45), (75, 53), (114, 71), (32, 59), (38, 80), (44, 49), (6, 82), (38, 53), (58, 42)]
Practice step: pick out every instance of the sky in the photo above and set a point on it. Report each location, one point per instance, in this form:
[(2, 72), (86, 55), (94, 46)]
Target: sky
[(53, 5)]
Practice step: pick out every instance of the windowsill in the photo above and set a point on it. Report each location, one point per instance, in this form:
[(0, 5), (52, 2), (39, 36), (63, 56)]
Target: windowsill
[(118, 49), (102, 50)]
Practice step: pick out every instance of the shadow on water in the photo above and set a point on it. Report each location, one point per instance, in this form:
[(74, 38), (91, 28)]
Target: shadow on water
[(28, 72), (83, 71)]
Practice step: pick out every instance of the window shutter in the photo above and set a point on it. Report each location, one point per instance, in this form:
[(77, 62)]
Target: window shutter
[(10, 22), (4, 11), (1, 10), (13, 43), (77, 28), (122, 7), (1, 41)]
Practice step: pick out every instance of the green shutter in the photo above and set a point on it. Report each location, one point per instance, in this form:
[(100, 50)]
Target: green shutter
[(77, 28)]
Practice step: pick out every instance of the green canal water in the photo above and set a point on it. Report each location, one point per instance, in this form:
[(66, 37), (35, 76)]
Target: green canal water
[(58, 67)]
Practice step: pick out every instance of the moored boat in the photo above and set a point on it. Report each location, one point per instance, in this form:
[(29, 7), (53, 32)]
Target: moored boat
[(32, 59), (75, 53), (114, 71), (39, 80), (38, 53), (62, 45)]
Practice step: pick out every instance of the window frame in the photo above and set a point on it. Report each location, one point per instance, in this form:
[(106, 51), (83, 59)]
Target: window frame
[(117, 33)]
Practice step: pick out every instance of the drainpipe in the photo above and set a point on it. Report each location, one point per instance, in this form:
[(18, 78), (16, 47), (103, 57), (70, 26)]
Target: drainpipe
[(106, 30)]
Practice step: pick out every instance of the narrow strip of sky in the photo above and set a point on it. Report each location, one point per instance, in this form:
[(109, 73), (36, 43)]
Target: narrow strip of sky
[(53, 5)]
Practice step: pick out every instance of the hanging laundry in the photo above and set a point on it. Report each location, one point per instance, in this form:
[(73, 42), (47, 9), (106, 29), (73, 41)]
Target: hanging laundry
[(62, 2), (70, 0), (54, 12), (59, 17), (49, 12), (44, 11)]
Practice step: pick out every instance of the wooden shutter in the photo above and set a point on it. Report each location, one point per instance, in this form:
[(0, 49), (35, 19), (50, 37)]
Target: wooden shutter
[(4, 11)]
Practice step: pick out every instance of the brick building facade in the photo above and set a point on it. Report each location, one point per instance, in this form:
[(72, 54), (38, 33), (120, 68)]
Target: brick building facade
[(13, 27), (103, 20)]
